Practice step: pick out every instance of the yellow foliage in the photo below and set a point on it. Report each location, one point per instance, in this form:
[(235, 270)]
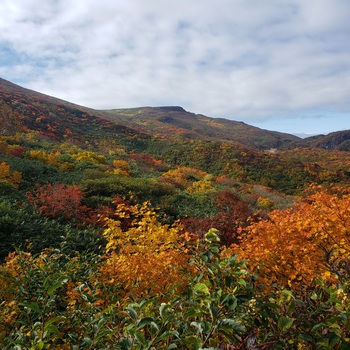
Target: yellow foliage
[(121, 167), (117, 151), (200, 187), (48, 158), (14, 178), (147, 256), (89, 157), (187, 177), (145, 231), (265, 203), (9, 309)]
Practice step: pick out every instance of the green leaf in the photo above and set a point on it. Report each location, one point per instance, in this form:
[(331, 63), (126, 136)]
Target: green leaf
[(284, 323), (228, 323), (87, 341), (215, 311), (132, 312), (229, 301), (192, 343), (40, 345), (344, 346), (37, 325), (242, 282), (318, 326), (212, 235), (163, 308), (198, 326), (140, 337), (342, 316), (201, 288), (53, 320), (32, 306), (57, 285), (215, 249), (168, 334), (334, 339), (287, 293), (146, 302), (125, 343), (227, 335), (52, 329), (146, 321), (102, 334), (305, 337)]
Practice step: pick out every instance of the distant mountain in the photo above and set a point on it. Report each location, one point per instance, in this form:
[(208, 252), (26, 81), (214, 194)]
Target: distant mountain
[(339, 140), (169, 122), (58, 117)]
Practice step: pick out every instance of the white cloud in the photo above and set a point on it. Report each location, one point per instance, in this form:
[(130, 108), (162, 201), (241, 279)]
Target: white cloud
[(246, 59)]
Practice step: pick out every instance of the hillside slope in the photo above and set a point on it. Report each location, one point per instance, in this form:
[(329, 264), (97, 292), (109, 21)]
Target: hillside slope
[(25, 109), (339, 140), (58, 118), (163, 122), (168, 122)]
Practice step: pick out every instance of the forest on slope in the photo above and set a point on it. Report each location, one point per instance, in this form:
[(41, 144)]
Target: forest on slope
[(114, 235)]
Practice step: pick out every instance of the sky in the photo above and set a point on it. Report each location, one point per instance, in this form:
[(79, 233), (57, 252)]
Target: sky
[(280, 65)]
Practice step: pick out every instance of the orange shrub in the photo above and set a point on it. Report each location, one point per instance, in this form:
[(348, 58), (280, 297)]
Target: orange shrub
[(294, 246)]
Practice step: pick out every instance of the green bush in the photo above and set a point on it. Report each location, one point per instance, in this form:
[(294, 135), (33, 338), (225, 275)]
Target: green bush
[(20, 228), (56, 305)]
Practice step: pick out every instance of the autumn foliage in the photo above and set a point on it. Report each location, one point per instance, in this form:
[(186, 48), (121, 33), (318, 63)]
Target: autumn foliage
[(294, 246), (10, 120), (232, 214), (8, 176), (117, 238), (141, 253), (62, 202)]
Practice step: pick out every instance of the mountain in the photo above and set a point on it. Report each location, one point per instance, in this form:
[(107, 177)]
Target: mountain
[(41, 135), (174, 121), (55, 116), (58, 118), (339, 140)]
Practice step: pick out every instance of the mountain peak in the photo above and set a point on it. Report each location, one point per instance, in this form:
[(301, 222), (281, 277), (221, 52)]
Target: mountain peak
[(172, 108)]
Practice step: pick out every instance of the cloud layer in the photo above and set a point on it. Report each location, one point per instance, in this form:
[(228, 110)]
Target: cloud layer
[(247, 60)]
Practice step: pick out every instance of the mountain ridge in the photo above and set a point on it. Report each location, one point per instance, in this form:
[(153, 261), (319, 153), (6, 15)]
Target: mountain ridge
[(191, 126), (169, 122)]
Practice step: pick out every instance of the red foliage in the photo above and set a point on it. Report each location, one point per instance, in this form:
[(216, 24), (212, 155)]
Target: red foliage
[(49, 135), (232, 215), (57, 200), (17, 151), (151, 162), (63, 202)]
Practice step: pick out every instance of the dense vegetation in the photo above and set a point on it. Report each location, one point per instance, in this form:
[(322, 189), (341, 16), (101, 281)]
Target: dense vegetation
[(112, 238)]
